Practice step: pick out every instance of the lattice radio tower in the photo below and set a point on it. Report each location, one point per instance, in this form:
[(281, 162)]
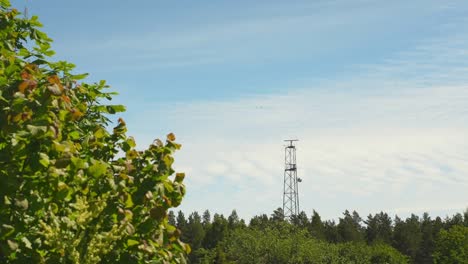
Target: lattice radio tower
[(290, 190)]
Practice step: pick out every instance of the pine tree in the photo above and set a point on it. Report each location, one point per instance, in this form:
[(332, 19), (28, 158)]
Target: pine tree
[(300, 220), (331, 231), (349, 227), (426, 248), (407, 236), (379, 229), (233, 220), (316, 227), (195, 233), (216, 233), (206, 218), (171, 218)]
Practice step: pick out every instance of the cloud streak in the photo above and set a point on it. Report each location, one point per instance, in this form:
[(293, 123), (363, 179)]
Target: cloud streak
[(391, 137)]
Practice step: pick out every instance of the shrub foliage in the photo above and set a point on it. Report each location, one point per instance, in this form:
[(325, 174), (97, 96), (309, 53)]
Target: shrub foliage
[(71, 191)]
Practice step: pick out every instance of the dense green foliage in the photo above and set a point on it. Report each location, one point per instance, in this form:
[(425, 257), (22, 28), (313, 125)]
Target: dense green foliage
[(378, 239), (452, 246), (71, 191)]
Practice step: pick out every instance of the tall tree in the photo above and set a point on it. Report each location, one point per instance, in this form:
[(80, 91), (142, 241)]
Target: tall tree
[(171, 218), (407, 235), (426, 248), (233, 220), (259, 221), (278, 215), (456, 219), (206, 218), (316, 227), (465, 217), (216, 233), (301, 220), (181, 221), (349, 227), (331, 231), (194, 233), (379, 228)]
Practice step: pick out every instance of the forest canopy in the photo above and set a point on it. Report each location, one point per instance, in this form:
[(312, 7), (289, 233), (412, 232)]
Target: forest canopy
[(377, 238)]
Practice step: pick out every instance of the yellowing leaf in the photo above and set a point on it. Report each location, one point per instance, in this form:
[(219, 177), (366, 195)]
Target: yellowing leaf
[(76, 114), (171, 137), (12, 245), (23, 86), (179, 177)]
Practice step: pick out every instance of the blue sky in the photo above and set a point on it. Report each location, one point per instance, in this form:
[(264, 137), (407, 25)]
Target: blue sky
[(377, 92)]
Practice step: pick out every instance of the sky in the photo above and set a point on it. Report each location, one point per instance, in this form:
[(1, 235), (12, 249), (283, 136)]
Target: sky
[(376, 92)]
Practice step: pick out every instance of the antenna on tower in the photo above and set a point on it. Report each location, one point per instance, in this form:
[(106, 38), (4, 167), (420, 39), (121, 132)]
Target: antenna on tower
[(290, 188)]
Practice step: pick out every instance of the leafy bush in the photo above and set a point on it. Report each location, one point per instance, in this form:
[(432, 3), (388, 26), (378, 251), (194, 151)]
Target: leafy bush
[(287, 244), (452, 246), (72, 192)]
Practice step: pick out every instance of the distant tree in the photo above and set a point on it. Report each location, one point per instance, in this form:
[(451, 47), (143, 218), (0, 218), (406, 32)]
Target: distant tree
[(216, 233), (171, 218), (301, 220), (456, 219), (194, 233), (378, 229), (465, 217), (181, 221), (259, 221), (426, 248), (316, 227), (278, 215), (233, 220), (349, 227), (182, 225), (331, 231), (206, 219), (407, 236), (451, 246)]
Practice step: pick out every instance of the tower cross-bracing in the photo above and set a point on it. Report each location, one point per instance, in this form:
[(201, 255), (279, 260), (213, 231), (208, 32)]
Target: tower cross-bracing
[(290, 188)]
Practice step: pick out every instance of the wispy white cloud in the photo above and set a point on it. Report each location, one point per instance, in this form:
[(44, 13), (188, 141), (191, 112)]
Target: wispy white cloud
[(393, 137), (273, 32), (365, 144), (367, 150)]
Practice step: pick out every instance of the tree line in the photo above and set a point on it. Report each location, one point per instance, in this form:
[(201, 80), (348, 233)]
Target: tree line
[(376, 238)]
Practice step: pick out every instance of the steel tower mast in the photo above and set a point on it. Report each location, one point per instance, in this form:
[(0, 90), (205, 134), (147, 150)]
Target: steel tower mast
[(290, 189)]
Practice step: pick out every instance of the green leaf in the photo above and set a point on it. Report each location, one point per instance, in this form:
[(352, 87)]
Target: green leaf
[(79, 163), (44, 159), (74, 135), (131, 242), (100, 133), (80, 76), (7, 230), (97, 169), (131, 142), (112, 109), (129, 201)]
